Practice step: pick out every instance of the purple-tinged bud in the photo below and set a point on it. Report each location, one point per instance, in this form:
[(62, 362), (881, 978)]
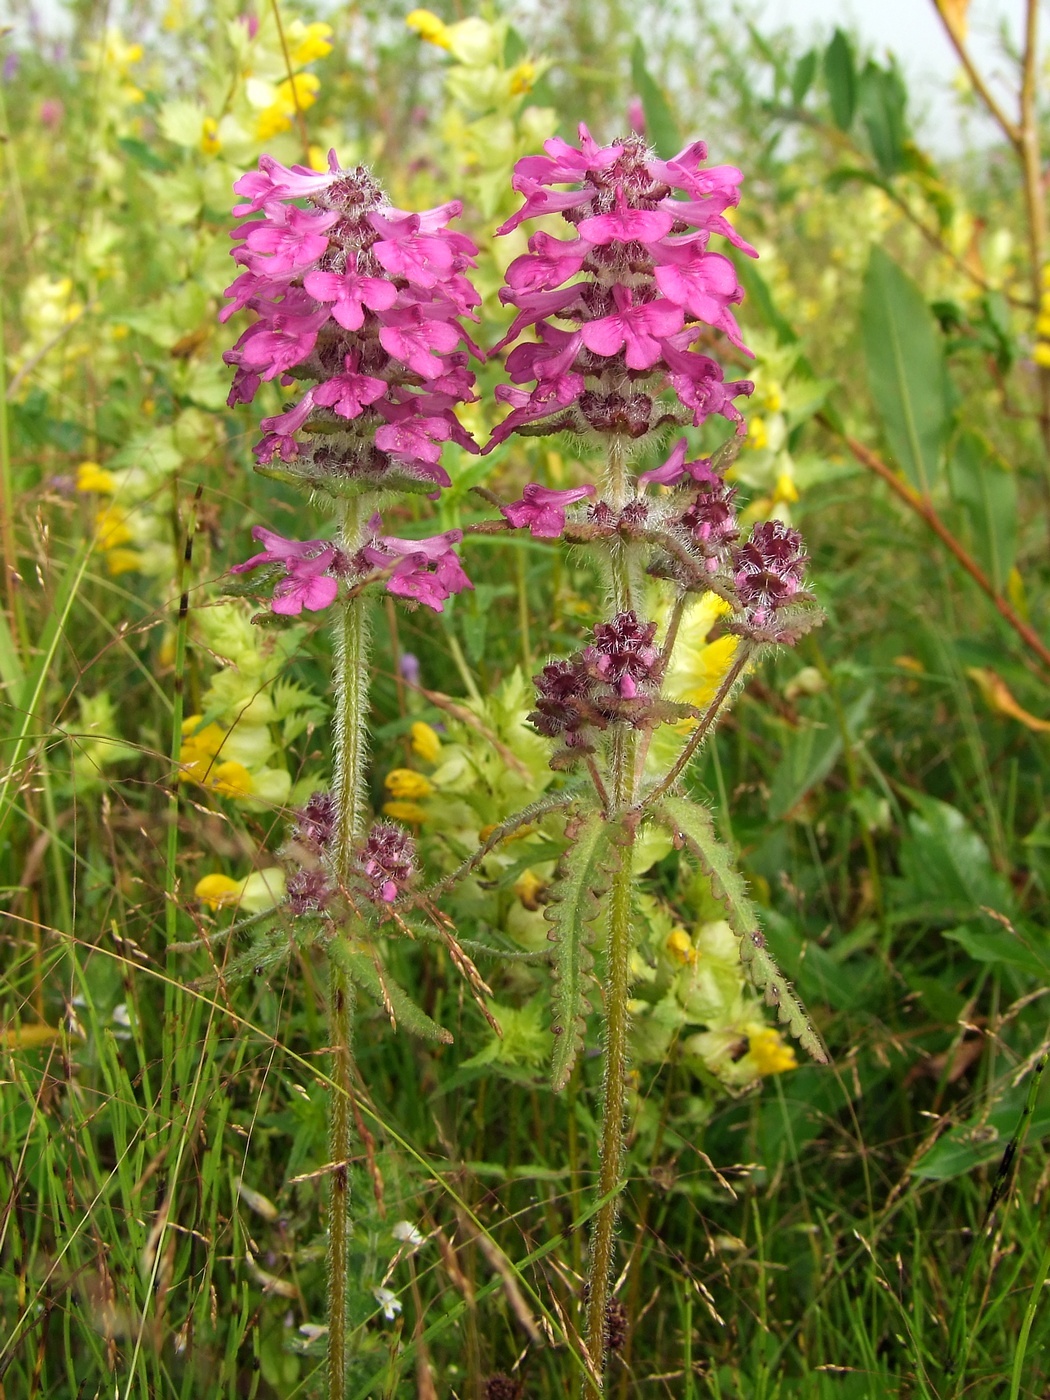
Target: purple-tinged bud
[(315, 823), (622, 653), (711, 522), (560, 687), (768, 569), (308, 891), (387, 861)]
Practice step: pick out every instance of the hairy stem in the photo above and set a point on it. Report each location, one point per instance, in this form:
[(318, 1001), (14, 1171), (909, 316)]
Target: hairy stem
[(340, 1013), (350, 746), (617, 1025)]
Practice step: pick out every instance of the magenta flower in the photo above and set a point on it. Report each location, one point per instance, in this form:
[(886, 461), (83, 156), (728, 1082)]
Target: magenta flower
[(542, 509), (387, 860), (428, 571), (361, 302), (618, 306), (311, 571), (671, 472), (634, 329)]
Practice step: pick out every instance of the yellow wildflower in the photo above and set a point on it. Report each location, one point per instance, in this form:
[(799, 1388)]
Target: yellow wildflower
[(409, 812), (318, 159), (92, 477), (217, 890), (308, 41), (680, 946), (785, 492), (757, 436), (122, 561), (257, 892), (209, 143), (405, 783), (769, 1052), (523, 77), (1041, 355), (112, 527), (527, 887), (429, 27), (294, 94), (425, 742)]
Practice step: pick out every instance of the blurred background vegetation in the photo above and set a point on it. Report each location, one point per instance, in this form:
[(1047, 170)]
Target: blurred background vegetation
[(787, 1230)]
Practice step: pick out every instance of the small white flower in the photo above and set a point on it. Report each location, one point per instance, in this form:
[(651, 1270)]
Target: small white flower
[(389, 1302), (406, 1233)]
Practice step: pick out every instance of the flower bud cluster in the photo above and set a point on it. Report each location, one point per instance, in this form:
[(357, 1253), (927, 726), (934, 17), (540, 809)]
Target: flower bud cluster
[(634, 287), (613, 680), (385, 862)]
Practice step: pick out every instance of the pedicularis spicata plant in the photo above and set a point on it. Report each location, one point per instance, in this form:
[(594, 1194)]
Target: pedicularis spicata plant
[(361, 301)]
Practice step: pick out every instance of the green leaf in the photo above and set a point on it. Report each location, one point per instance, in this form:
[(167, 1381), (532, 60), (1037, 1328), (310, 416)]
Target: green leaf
[(756, 288), (983, 1138), (692, 824), (946, 869), (841, 80), (802, 78), (881, 100), (905, 369), (574, 906), (810, 754), (364, 973), (994, 944), (661, 129), (986, 488)]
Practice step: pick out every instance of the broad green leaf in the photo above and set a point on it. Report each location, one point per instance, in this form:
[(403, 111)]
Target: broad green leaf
[(582, 875), (905, 369), (947, 870), (692, 824), (661, 129), (986, 488), (841, 80), (983, 1138), (802, 78), (810, 754), (760, 299), (881, 99), (994, 944)]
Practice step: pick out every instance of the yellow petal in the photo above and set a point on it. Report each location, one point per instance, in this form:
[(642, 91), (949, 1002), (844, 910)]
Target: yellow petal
[(404, 782), (217, 890), (425, 742), (92, 477), (770, 1054), (997, 697), (409, 812), (429, 27)]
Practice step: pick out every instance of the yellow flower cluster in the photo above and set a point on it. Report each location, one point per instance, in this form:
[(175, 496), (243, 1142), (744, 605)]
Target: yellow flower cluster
[(1041, 351)]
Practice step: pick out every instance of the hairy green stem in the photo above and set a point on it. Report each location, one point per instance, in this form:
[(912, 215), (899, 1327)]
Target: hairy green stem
[(617, 1026), (350, 749)]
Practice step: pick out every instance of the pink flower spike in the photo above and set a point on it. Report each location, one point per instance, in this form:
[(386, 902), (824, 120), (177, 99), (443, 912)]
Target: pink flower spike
[(309, 587), (627, 225), (278, 550), (676, 467), (633, 327), (549, 262), (348, 294), (350, 393), (542, 509), (410, 337), (273, 182)]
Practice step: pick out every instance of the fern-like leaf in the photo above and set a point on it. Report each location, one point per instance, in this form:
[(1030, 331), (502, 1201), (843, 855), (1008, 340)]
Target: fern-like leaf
[(691, 824), (574, 905)]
